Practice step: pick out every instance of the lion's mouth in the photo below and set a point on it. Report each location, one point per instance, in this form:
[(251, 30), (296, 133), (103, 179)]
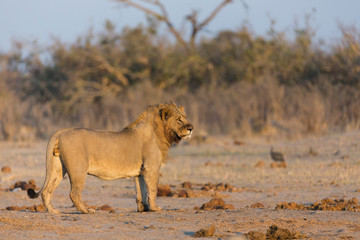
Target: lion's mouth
[(184, 136), (187, 136)]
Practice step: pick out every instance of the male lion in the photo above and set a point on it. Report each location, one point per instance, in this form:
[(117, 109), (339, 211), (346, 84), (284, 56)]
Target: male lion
[(137, 151)]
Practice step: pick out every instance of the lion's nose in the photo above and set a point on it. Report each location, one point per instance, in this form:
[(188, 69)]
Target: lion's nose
[(190, 127)]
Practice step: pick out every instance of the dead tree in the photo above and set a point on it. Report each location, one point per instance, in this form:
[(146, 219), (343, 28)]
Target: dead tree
[(162, 16)]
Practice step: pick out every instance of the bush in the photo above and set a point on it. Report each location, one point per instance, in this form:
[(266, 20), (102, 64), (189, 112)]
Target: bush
[(235, 83)]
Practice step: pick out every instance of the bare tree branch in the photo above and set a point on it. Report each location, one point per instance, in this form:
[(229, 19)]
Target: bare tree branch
[(197, 27), (213, 14), (164, 17)]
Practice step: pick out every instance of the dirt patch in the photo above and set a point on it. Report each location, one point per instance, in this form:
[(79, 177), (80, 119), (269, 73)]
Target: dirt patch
[(23, 185), (274, 232), (34, 208), (215, 203), (326, 204), (205, 232)]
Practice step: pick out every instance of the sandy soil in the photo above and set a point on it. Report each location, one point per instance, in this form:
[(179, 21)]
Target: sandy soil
[(330, 170)]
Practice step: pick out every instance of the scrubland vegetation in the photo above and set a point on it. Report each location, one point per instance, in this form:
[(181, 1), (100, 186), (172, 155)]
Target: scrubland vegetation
[(235, 83)]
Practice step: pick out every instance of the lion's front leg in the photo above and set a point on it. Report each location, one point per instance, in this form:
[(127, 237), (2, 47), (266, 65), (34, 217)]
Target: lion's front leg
[(152, 180), (141, 193)]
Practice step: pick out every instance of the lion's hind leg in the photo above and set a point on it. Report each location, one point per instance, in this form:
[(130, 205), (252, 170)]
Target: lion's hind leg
[(56, 175), (77, 183)]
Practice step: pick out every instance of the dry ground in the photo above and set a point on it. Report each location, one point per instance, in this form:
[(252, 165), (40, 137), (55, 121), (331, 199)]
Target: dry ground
[(308, 178)]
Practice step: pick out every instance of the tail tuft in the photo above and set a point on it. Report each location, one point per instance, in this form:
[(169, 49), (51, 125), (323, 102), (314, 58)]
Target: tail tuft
[(31, 193)]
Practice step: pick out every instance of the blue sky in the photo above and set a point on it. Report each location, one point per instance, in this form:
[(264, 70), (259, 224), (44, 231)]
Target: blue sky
[(68, 19)]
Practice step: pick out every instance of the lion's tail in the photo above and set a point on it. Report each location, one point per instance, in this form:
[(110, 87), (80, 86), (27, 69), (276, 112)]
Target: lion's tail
[(52, 151)]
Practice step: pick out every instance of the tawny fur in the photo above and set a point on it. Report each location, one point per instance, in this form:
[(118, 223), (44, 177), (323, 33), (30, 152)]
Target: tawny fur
[(137, 151)]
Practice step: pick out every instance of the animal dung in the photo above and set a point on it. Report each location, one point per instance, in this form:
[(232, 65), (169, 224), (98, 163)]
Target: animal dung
[(257, 205), (260, 164), (205, 232), (186, 185), (326, 204), (164, 191), (275, 232), (34, 208), (183, 194), (6, 169), (31, 184), (278, 165), (216, 203)]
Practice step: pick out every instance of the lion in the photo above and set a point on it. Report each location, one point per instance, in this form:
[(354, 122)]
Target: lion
[(137, 151)]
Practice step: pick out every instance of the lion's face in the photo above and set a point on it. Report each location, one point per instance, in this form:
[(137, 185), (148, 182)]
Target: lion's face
[(176, 124)]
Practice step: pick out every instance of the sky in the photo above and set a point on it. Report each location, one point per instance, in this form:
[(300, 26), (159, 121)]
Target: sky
[(44, 20)]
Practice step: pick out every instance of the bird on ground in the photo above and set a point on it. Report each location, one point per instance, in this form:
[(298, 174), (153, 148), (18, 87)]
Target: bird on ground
[(276, 156)]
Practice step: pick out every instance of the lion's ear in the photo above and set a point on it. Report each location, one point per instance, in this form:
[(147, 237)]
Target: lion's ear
[(165, 113), (182, 110)]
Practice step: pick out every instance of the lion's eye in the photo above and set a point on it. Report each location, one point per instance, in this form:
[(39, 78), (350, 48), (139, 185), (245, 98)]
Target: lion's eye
[(179, 120)]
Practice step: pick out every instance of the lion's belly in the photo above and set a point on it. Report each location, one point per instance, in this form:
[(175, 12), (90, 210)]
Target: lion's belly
[(109, 170)]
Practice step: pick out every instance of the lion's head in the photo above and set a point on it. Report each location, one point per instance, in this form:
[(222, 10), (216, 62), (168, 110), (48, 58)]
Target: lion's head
[(176, 125)]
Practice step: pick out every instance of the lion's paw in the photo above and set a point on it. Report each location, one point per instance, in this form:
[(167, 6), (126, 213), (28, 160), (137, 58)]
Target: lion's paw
[(90, 210), (52, 210), (155, 208), (141, 208)]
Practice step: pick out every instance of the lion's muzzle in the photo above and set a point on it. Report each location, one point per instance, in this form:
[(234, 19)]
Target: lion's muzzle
[(189, 127)]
